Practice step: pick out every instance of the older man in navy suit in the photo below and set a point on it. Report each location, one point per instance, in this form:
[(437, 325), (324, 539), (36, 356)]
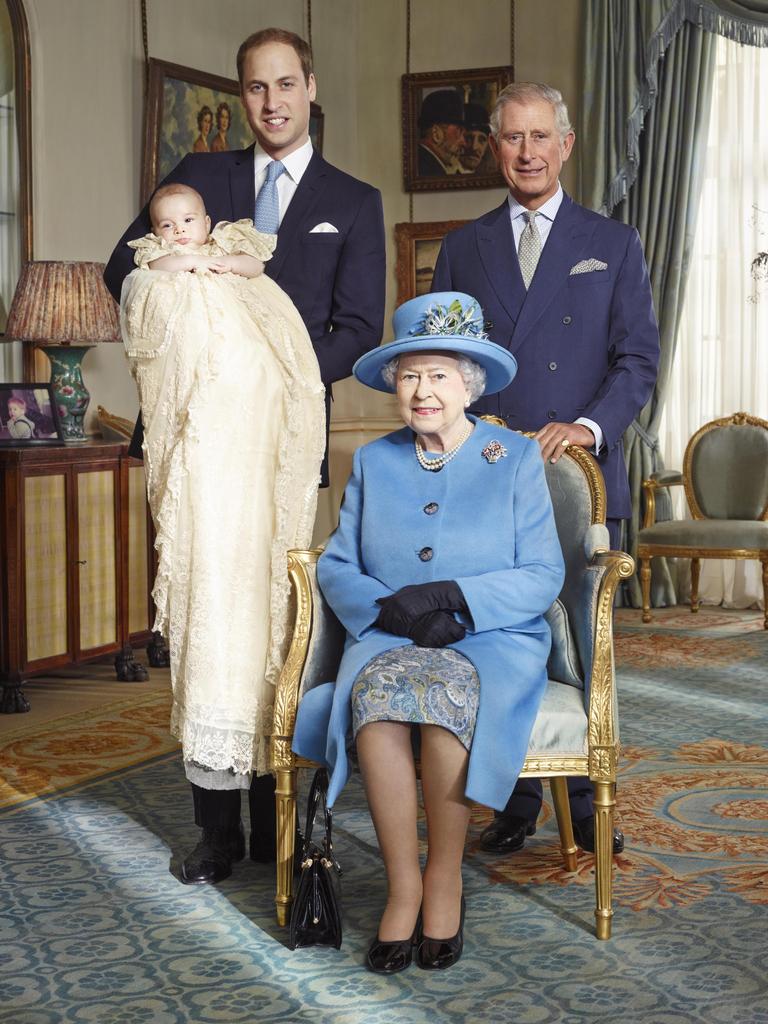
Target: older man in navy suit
[(329, 259), (567, 292)]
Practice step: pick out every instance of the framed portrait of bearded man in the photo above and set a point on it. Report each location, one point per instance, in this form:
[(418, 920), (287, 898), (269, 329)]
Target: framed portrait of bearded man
[(446, 129)]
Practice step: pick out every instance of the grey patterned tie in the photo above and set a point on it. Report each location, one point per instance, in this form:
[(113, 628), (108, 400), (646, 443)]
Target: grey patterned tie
[(266, 215), (529, 249)]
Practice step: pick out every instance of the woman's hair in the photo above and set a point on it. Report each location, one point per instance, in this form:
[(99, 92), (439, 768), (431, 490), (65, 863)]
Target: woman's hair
[(201, 114), (471, 372), (531, 92), (221, 107)]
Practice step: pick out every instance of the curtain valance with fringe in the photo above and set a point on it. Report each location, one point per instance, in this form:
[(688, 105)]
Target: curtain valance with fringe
[(626, 40)]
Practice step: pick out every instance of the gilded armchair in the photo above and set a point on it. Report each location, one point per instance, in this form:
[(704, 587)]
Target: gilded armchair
[(725, 476), (576, 731)]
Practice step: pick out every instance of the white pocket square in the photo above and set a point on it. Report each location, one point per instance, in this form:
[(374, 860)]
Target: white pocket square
[(587, 266), (324, 228)]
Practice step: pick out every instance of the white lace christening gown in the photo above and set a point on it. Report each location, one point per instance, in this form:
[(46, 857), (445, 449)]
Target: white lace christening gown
[(234, 434)]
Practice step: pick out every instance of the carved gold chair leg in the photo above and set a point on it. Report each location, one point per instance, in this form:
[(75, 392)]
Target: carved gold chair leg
[(765, 592), (559, 788), (695, 574), (285, 809), (604, 802), (645, 584)]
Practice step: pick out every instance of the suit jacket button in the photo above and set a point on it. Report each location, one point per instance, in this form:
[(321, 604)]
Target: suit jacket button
[(567, 320), (425, 554), (551, 414), (553, 366), (488, 325), (431, 508)]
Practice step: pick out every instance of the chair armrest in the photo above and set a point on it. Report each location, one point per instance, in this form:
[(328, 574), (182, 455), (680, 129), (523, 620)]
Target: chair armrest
[(602, 711), (302, 567), (664, 478)]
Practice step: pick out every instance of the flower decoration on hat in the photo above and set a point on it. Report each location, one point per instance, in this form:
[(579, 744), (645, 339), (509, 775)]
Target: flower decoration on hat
[(453, 319)]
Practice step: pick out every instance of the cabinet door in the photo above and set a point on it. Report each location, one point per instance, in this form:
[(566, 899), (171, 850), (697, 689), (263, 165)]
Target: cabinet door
[(45, 567), (97, 493)]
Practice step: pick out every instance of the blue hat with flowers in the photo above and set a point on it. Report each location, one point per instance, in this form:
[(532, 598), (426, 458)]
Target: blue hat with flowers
[(440, 322)]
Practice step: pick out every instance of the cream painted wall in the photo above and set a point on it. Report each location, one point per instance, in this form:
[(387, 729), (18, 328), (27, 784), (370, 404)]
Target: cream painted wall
[(87, 68)]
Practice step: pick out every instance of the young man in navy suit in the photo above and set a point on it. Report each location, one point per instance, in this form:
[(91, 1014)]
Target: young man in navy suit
[(329, 259), (567, 291)]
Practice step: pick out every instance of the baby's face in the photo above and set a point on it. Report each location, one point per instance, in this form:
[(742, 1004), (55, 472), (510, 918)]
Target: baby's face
[(15, 410), (181, 218)]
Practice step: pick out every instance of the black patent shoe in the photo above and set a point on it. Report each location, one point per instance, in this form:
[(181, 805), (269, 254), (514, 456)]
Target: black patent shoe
[(440, 954), (392, 957), (506, 834), (584, 834), (211, 860)]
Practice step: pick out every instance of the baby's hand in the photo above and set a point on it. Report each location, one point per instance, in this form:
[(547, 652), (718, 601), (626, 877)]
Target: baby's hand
[(239, 263), (189, 262)]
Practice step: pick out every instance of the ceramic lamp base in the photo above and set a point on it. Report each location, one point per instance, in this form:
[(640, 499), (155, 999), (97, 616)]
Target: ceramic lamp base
[(71, 394)]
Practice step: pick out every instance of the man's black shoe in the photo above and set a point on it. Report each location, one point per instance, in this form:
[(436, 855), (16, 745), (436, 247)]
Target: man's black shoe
[(211, 860), (506, 834), (584, 834)]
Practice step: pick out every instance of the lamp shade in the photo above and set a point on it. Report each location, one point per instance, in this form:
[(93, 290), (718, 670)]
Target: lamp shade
[(62, 303)]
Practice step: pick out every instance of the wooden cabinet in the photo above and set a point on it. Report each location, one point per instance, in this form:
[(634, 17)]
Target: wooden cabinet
[(76, 556)]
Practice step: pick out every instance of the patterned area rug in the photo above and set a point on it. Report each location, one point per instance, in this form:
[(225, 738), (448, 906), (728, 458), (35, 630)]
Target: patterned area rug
[(96, 929)]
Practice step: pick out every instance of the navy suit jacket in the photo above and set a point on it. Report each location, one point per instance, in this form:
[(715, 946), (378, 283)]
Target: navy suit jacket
[(586, 344), (335, 279)]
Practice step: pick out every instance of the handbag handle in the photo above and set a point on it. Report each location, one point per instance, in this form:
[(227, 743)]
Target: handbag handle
[(319, 792)]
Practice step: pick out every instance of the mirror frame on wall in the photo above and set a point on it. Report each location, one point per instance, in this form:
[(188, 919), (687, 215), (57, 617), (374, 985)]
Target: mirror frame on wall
[(22, 73)]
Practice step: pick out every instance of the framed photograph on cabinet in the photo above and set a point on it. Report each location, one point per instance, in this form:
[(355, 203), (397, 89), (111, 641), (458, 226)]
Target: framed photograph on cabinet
[(446, 128), (28, 416), (418, 246), (190, 111)]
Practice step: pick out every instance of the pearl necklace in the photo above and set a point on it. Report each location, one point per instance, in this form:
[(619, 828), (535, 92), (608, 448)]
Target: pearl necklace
[(435, 465)]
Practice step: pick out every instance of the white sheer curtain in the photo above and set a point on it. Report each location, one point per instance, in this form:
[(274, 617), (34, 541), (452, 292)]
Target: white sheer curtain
[(721, 361)]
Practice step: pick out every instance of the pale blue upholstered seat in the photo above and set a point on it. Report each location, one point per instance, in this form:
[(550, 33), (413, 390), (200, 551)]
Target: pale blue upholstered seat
[(725, 476)]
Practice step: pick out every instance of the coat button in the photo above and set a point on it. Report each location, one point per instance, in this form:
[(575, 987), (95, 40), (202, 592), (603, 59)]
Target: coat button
[(551, 414), (488, 325), (567, 320), (431, 508), (425, 554), (553, 366)]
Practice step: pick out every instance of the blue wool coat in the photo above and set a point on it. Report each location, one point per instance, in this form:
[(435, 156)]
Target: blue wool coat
[(494, 533)]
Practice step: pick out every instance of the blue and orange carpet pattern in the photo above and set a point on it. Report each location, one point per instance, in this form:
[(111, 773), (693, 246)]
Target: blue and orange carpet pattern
[(96, 929)]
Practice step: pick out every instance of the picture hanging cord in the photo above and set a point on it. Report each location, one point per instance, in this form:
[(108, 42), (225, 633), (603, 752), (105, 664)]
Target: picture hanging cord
[(408, 71), (145, 43)]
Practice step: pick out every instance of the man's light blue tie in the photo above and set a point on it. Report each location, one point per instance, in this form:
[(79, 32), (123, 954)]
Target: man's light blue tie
[(266, 213)]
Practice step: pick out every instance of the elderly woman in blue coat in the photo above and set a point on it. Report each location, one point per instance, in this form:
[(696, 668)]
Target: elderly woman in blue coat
[(442, 566)]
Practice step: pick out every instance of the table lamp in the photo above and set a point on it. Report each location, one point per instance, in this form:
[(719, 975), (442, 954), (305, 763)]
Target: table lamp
[(64, 308)]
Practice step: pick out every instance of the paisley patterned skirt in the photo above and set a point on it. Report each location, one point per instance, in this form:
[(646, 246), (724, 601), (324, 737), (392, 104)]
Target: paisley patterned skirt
[(425, 685)]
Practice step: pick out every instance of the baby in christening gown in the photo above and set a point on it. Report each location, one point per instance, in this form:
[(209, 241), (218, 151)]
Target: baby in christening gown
[(234, 433)]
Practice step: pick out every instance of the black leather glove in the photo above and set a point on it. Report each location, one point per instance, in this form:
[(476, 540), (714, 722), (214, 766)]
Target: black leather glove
[(437, 629), (400, 610)]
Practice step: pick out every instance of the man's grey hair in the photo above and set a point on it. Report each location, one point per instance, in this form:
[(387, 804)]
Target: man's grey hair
[(527, 92), (472, 373)]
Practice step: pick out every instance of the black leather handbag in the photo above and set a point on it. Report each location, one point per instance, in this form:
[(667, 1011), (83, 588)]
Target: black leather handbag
[(316, 912)]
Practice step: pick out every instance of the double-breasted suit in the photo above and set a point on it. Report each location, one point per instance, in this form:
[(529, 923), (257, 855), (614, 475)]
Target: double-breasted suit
[(336, 279), (584, 335), (487, 525)]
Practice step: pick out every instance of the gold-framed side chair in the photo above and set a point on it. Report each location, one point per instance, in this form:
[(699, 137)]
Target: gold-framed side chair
[(725, 476), (576, 731)]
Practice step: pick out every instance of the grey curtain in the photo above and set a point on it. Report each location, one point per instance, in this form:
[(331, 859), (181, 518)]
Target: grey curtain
[(662, 205), (646, 119)]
